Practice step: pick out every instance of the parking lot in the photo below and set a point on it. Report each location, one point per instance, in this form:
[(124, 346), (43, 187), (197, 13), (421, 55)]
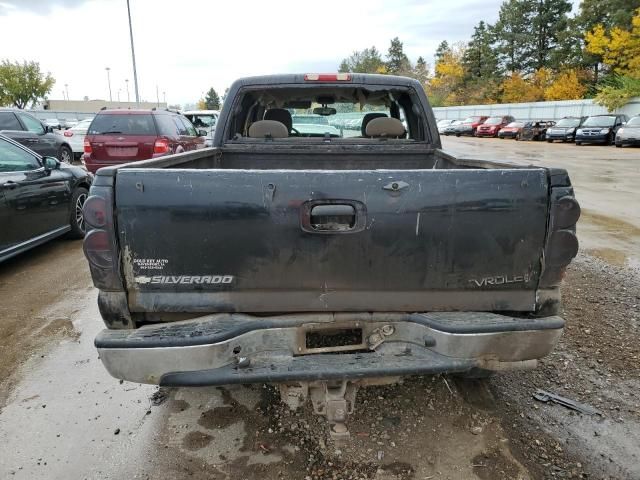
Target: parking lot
[(63, 416)]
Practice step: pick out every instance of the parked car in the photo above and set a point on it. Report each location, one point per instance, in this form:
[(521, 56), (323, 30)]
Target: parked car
[(123, 136), (443, 124), (204, 119), (40, 198), (324, 266), (565, 129), (535, 130), (75, 136), (470, 124), (492, 125), (26, 129), (600, 129), (629, 134), (54, 123), (453, 128), (512, 130)]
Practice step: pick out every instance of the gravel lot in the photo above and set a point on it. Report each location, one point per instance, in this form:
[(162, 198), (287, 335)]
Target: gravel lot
[(62, 416)]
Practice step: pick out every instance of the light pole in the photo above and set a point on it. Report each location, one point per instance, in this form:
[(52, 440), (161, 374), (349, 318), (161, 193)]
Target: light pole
[(119, 95), (109, 82), (126, 80), (157, 97), (164, 96), (66, 88), (133, 55)]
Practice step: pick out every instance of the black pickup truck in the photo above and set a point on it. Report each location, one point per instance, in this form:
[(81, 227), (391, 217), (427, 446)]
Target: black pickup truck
[(323, 262)]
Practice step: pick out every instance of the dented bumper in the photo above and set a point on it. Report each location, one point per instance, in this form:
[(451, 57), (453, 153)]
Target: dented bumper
[(235, 348)]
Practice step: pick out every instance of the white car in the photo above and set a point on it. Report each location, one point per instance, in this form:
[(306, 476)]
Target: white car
[(442, 124), (75, 137), (204, 120)]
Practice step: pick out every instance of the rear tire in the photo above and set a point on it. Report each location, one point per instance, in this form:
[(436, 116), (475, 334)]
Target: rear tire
[(578, 144), (618, 145), (65, 154), (76, 216)]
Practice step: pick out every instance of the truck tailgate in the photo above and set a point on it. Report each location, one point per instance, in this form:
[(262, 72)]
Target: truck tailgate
[(313, 240)]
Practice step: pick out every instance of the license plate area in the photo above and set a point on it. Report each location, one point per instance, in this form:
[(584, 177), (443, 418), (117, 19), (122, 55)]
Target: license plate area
[(318, 338)]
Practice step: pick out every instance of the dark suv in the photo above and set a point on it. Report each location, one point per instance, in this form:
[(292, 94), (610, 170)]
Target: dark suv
[(26, 129), (600, 129), (122, 136)]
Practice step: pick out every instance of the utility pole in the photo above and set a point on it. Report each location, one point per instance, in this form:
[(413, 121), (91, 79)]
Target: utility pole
[(109, 82), (164, 97), (119, 94), (133, 55), (126, 80), (157, 97), (66, 88)]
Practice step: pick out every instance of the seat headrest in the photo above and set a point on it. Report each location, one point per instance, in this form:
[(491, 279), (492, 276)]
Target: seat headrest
[(385, 127), (280, 115), (367, 118), (268, 129)]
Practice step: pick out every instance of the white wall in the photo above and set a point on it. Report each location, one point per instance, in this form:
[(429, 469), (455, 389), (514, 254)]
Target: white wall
[(536, 110)]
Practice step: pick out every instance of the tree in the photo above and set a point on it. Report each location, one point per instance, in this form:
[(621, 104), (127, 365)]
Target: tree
[(609, 14), (212, 100), (421, 71), (480, 59), (550, 21), (23, 84), (441, 50), (513, 35), (202, 105), (449, 74), (565, 86), (368, 60), (528, 31), (619, 49), (397, 61)]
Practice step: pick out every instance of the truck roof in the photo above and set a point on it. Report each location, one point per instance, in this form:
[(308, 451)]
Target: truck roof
[(355, 78)]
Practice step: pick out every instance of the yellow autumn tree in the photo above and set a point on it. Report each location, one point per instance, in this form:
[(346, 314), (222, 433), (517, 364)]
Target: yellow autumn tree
[(202, 105), (449, 73), (565, 86), (619, 48)]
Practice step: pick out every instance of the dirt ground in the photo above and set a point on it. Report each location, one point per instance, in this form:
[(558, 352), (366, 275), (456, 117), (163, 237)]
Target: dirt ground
[(62, 416)]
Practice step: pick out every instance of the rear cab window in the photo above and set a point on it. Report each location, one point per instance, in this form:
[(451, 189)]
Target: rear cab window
[(331, 113), (123, 124)]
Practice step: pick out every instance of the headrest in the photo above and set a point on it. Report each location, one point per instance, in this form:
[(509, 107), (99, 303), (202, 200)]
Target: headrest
[(268, 129), (280, 115), (367, 118), (385, 127)]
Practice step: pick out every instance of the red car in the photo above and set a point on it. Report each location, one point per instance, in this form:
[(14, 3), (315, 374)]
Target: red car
[(122, 136), (511, 131), (492, 126), (470, 125)]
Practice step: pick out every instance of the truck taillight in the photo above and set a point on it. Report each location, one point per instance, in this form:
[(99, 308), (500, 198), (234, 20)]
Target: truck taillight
[(161, 146), (327, 77), (87, 146), (97, 248), (95, 212), (100, 244)]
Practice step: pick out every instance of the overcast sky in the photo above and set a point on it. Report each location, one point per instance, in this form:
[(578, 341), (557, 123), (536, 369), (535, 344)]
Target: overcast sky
[(186, 46)]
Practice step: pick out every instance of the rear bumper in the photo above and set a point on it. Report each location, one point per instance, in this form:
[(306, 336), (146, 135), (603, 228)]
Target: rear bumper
[(235, 348)]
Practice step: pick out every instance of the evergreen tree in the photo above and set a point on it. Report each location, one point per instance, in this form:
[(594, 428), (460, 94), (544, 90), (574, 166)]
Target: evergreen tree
[(513, 35), (421, 71), (480, 59), (212, 100), (549, 22), (442, 49), (397, 61)]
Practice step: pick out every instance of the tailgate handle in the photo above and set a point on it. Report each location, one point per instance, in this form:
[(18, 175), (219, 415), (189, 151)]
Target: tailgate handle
[(333, 217)]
